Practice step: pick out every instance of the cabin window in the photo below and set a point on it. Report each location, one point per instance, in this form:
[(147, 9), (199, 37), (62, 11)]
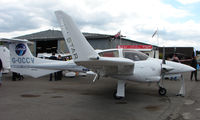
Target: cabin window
[(109, 54), (134, 55)]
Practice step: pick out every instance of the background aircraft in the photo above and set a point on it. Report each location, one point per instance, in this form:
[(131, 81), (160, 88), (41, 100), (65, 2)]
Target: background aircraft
[(22, 61), (121, 64), (5, 58)]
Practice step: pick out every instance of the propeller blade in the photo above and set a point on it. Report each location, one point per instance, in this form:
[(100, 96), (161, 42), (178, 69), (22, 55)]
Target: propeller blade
[(163, 60)]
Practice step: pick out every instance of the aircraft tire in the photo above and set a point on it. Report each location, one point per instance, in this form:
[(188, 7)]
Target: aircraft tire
[(117, 97), (162, 91)]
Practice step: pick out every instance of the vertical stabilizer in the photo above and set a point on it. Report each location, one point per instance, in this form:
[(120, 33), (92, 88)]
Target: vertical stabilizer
[(20, 54), (77, 44)]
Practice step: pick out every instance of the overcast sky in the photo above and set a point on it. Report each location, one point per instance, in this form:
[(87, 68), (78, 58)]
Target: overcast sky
[(178, 21)]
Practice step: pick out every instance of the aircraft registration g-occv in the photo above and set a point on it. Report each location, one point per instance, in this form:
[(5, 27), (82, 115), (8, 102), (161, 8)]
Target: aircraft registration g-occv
[(22, 61), (120, 63)]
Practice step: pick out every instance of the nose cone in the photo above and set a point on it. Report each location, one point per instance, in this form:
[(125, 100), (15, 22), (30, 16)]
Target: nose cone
[(179, 68)]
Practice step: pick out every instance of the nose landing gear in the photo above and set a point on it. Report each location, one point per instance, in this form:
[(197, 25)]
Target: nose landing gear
[(162, 91)]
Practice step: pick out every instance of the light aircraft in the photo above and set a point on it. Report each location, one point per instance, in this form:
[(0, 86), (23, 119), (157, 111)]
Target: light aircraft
[(22, 61), (116, 63)]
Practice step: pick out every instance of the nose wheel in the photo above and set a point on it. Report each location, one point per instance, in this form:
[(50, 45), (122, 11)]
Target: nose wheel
[(162, 91)]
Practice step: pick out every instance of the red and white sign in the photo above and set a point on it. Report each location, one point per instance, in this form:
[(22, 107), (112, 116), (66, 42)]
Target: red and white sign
[(135, 46)]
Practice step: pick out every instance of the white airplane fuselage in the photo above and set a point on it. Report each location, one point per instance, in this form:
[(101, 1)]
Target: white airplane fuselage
[(149, 70)]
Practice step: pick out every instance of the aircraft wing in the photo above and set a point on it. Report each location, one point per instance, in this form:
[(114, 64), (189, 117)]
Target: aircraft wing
[(109, 65)]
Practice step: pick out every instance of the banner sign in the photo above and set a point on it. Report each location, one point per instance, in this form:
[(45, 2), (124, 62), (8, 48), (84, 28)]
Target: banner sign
[(135, 46)]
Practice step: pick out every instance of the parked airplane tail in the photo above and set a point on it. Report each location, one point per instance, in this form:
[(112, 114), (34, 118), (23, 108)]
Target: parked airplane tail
[(4, 56), (78, 46), (22, 60)]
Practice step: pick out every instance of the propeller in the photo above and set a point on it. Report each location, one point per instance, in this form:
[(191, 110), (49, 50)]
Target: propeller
[(163, 64), (164, 67), (163, 60)]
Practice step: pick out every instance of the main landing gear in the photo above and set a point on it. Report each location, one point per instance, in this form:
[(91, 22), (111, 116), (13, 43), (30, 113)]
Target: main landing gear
[(117, 97), (120, 92)]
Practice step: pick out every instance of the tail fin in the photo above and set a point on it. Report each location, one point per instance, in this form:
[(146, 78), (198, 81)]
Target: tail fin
[(77, 44), (20, 54)]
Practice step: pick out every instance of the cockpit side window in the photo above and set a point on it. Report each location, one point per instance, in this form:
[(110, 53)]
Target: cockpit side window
[(134, 55), (114, 53)]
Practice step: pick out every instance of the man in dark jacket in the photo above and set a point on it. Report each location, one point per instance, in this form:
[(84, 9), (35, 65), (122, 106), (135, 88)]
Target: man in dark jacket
[(59, 73), (53, 57), (194, 65), (1, 69)]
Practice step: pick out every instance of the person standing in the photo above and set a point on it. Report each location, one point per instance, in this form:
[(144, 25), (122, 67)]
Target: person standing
[(175, 58), (194, 65), (53, 57), (59, 73), (1, 70)]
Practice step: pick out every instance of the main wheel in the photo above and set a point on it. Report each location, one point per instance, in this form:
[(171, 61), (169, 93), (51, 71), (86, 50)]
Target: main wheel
[(162, 91), (117, 97)]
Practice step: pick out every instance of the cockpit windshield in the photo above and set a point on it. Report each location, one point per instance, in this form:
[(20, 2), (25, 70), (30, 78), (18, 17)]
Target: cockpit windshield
[(134, 55), (113, 53)]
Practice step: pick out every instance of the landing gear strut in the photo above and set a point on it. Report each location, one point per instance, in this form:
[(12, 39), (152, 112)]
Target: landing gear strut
[(120, 93)]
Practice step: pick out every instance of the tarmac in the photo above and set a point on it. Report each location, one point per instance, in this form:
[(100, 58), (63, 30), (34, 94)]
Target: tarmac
[(80, 99)]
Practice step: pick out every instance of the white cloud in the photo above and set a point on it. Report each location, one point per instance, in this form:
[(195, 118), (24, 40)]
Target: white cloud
[(188, 1), (137, 19)]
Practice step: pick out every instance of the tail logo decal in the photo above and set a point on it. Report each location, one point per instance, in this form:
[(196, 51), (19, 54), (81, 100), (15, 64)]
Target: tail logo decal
[(20, 49)]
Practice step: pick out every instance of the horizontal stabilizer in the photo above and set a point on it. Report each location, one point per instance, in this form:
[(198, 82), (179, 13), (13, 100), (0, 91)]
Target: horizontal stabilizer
[(14, 40)]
